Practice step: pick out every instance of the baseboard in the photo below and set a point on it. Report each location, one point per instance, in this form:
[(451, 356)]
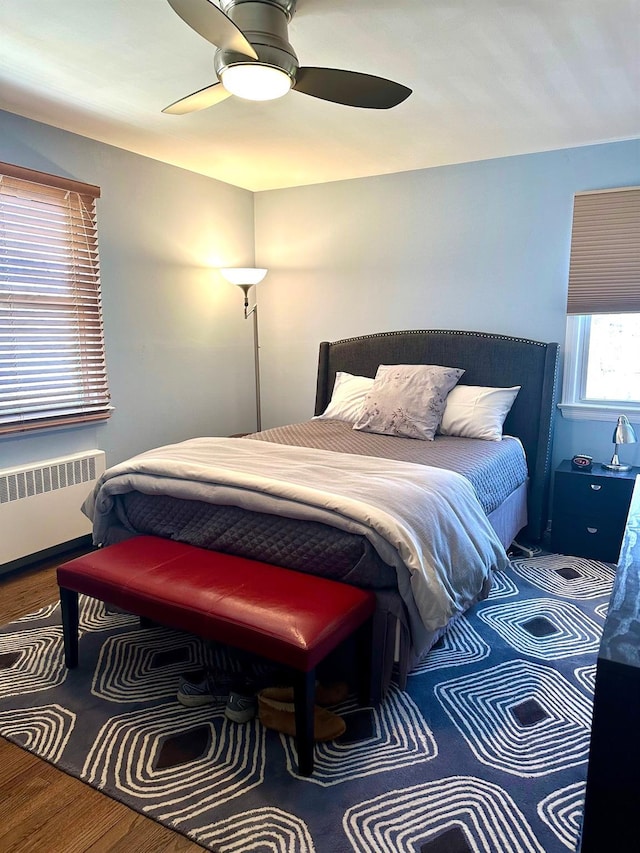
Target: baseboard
[(78, 544)]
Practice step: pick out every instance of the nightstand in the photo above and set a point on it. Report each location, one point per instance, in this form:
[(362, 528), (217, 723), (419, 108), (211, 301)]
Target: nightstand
[(590, 510)]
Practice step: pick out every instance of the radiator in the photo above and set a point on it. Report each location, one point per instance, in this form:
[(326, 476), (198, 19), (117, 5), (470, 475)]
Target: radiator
[(40, 503)]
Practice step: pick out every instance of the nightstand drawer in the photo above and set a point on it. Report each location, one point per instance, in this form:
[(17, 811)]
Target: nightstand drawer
[(594, 496), (581, 536)]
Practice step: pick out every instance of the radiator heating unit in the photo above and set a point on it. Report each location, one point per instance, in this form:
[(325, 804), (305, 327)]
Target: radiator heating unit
[(40, 503)]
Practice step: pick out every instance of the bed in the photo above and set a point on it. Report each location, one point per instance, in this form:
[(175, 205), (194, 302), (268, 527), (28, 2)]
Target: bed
[(256, 505)]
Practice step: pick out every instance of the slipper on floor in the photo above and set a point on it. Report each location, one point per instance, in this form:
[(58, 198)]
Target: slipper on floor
[(331, 693), (326, 694), (277, 712)]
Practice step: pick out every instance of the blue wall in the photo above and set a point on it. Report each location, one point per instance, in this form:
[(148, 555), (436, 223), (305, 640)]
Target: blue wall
[(480, 246), (179, 354)]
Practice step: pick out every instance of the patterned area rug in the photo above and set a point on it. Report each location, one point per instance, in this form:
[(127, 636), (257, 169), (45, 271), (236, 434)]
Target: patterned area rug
[(485, 751)]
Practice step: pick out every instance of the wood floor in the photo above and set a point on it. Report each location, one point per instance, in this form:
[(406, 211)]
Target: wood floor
[(44, 809)]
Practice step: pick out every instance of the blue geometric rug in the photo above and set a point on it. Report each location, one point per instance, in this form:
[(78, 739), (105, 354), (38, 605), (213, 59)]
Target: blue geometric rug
[(485, 752)]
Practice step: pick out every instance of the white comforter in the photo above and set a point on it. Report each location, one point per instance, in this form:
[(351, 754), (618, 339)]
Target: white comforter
[(424, 521)]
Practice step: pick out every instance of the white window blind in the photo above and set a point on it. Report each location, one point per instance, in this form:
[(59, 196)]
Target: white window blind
[(52, 360), (604, 271)]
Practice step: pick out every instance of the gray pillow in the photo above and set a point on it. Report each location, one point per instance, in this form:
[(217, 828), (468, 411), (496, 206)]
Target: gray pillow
[(407, 400)]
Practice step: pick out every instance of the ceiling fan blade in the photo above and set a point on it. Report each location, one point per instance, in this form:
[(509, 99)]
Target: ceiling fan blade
[(200, 100), (212, 24), (350, 88)]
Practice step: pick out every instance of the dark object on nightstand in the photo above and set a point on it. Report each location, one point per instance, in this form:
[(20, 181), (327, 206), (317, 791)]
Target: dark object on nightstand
[(582, 462), (589, 511)]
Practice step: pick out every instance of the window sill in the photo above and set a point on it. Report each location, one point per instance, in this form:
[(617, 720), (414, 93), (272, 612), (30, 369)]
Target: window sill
[(34, 427), (594, 412)]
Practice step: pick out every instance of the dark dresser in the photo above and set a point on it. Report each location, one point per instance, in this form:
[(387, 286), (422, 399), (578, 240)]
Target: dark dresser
[(589, 511), (612, 803)]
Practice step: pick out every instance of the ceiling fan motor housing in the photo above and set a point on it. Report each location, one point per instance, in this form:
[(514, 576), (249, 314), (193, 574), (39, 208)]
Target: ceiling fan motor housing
[(287, 6), (264, 23)]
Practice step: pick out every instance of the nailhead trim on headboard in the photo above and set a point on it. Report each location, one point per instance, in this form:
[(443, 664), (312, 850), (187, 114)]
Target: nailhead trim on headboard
[(441, 332)]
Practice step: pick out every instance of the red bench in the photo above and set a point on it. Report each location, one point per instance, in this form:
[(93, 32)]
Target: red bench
[(289, 617)]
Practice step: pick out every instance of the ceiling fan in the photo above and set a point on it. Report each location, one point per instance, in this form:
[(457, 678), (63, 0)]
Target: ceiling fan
[(254, 59)]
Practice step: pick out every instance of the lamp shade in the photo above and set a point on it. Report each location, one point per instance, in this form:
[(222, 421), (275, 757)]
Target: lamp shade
[(243, 276), (624, 433)]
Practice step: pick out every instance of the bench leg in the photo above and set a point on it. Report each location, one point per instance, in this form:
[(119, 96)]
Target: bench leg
[(367, 695), (304, 693), (69, 611)]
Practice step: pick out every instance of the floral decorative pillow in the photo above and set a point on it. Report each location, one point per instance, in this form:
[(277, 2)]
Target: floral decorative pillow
[(348, 395), (407, 400)]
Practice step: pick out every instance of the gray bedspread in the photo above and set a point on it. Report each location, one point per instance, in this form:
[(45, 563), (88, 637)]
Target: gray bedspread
[(495, 469), (425, 521), (307, 546)]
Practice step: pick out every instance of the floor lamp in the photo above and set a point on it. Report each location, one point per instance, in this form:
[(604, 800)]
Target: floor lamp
[(246, 278)]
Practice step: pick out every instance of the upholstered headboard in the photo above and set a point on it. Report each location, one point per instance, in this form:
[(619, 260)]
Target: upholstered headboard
[(494, 360)]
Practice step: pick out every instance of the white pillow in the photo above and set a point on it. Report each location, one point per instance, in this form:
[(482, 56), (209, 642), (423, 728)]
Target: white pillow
[(407, 400), (348, 395), (473, 411)]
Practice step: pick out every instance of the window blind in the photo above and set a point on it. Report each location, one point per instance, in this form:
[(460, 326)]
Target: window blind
[(604, 270), (52, 359)]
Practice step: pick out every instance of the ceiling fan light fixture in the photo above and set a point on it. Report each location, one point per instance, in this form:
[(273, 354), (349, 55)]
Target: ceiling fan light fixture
[(255, 81)]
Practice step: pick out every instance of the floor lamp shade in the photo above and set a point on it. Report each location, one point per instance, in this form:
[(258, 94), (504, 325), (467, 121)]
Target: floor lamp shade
[(243, 276), (246, 278)]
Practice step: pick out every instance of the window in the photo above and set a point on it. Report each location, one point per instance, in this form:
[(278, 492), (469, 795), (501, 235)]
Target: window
[(52, 361), (602, 359)]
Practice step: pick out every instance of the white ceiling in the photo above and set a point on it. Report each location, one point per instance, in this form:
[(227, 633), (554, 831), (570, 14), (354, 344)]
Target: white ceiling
[(490, 78)]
